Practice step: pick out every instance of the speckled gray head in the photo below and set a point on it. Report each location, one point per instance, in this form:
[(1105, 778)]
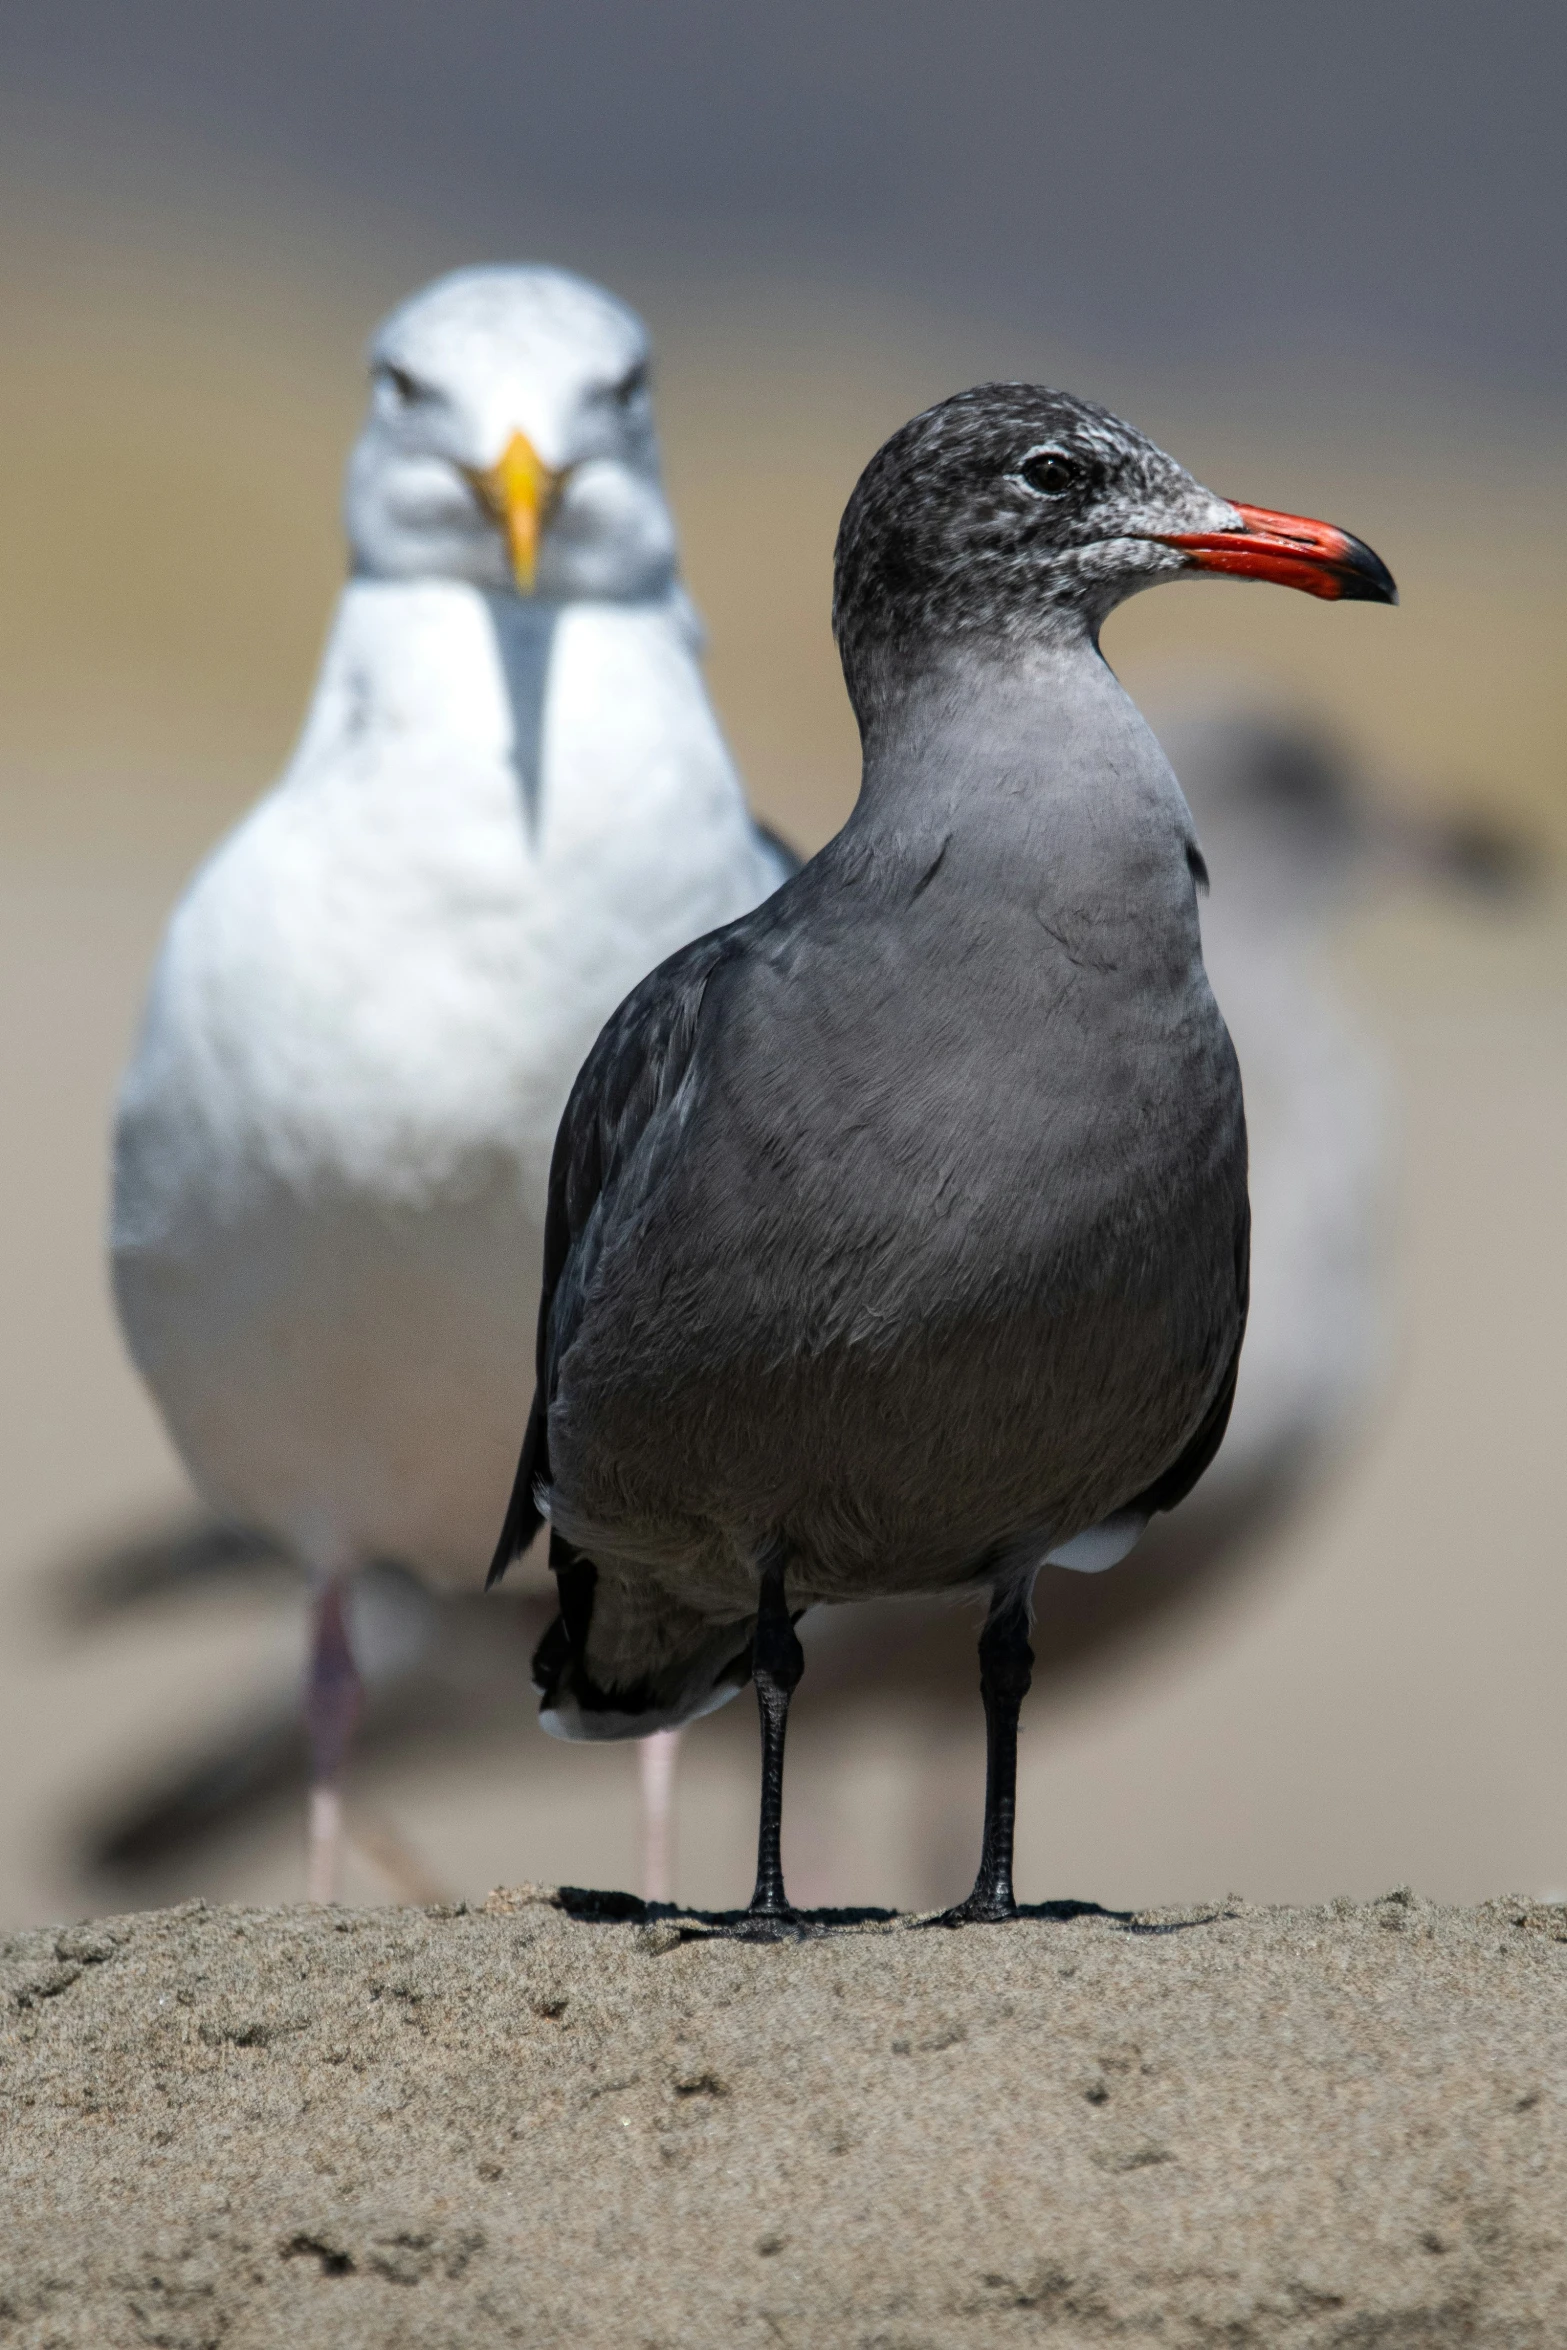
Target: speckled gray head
[(1012, 514)]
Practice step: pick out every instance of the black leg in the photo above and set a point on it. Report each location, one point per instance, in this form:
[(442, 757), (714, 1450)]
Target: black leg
[(779, 1662), (1006, 1664)]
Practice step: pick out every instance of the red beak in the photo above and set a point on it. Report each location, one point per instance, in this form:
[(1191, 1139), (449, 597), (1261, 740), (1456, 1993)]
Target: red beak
[(1295, 552)]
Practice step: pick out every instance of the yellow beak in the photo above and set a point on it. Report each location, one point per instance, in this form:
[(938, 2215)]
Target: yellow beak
[(518, 493)]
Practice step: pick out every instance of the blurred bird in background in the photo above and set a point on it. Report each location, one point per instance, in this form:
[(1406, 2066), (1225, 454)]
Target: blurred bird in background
[(1296, 834), (511, 799)]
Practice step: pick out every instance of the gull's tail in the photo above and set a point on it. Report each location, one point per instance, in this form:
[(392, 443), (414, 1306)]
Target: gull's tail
[(623, 1657)]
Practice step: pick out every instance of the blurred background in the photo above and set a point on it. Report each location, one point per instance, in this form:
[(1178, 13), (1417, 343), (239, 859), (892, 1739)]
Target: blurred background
[(1314, 251)]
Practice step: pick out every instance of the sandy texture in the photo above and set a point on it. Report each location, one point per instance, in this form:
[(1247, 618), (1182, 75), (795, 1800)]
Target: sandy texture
[(517, 2125)]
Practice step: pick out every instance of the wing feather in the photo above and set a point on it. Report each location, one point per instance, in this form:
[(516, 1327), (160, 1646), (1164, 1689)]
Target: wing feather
[(627, 1086), (1196, 1457)]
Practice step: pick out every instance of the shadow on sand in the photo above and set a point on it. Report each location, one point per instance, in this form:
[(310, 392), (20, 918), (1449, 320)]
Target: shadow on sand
[(593, 1907)]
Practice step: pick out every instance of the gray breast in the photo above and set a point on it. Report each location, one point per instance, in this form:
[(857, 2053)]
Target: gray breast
[(949, 1260)]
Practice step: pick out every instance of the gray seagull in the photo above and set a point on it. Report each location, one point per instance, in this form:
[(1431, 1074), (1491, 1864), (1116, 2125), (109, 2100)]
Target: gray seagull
[(897, 1234)]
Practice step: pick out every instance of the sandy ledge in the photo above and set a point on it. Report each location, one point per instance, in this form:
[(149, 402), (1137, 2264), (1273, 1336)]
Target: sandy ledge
[(1340, 2126)]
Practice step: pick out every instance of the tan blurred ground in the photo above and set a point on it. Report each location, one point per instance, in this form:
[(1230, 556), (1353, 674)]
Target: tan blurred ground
[(1384, 1704)]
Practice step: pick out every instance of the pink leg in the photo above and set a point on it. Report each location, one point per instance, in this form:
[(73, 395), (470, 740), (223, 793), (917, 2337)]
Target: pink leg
[(656, 1762), (333, 1698)]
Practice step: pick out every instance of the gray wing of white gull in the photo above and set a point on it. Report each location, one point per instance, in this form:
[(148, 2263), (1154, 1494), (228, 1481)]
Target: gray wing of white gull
[(785, 857)]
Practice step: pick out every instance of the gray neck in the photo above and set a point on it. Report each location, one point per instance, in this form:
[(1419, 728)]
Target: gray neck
[(1023, 810), (994, 744)]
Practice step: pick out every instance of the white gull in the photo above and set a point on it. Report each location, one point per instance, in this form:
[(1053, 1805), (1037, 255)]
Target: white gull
[(510, 799)]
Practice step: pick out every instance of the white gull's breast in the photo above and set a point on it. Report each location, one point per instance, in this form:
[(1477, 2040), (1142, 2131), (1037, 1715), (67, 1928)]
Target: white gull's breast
[(335, 1135)]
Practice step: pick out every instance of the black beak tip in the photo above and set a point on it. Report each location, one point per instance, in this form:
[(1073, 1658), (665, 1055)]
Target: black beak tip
[(1366, 578)]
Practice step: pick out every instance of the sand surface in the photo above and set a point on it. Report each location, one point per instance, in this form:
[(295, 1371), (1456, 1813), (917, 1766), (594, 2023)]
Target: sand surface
[(1306, 2127)]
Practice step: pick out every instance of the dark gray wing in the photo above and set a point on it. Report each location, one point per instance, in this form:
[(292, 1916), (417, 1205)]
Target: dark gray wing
[(633, 1073), (1171, 1487)]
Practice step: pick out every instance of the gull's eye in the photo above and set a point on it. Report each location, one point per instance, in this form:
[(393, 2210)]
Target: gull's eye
[(405, 389), (631, 386), (1049, 473)]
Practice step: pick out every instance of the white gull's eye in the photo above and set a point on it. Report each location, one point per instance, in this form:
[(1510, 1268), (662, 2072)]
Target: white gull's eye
[(631, 386), (404, 389)]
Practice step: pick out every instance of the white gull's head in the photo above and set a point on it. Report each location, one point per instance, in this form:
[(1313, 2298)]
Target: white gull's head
[(510, 442)]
